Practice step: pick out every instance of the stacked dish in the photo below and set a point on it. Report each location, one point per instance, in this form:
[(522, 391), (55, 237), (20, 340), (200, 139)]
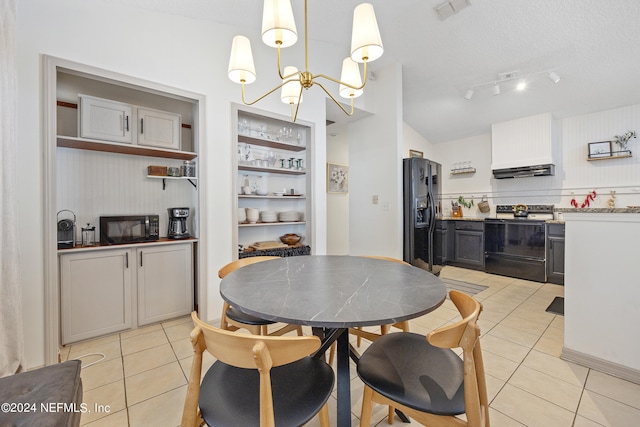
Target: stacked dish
[(268, 216), (289, 216)]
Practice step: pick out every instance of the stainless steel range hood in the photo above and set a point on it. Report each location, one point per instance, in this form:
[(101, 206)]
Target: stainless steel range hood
[(524, 171)]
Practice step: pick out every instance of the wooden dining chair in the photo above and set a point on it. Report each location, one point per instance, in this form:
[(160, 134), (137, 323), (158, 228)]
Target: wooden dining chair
[(425, 378), (256, 380), (233, 319)]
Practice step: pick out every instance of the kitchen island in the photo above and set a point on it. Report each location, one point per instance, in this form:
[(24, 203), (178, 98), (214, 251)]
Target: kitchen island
[(602, 295)]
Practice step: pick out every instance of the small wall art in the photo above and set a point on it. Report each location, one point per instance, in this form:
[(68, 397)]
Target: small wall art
[(416, 153), (337, 178), (599, 149)]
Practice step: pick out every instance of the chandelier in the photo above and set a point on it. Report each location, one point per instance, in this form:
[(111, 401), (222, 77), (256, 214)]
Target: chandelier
[(279, 31)]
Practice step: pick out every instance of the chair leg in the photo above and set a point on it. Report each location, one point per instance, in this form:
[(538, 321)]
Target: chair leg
[(299, 330), (384, 329), (324, 416), (390, 415), (367, 407), (359, 338), (332, 353)]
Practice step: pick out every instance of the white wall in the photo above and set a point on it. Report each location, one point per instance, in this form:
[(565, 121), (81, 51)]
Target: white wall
[(375, 168), (337, 203), (180, 52)]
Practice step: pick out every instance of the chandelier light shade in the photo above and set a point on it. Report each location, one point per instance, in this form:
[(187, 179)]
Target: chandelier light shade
[(366, 43), (351, 75), (292, 90), (278, 25), (241, 68), (279, 31)]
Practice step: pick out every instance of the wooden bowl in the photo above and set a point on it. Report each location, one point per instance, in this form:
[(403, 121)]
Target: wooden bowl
[(290, 239)]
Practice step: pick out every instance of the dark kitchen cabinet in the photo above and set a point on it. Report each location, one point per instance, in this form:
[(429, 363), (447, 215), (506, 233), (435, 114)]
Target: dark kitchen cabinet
[(468, 244), (443, 242), (555, 253)]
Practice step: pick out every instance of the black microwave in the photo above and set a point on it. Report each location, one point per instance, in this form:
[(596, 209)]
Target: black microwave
[(118, 230)]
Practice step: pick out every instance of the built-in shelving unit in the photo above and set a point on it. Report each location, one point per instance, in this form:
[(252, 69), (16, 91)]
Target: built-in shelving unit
[(272, 157)]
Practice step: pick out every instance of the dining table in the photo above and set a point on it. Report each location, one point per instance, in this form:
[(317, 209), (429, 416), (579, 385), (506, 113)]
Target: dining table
[(332, 293)]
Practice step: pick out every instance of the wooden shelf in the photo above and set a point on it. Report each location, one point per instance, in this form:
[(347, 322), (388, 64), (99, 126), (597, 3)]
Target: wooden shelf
[(271, 170), (255, 196), (463, 171), (110, 147), (270, 143), (621, 156), (269, 224)]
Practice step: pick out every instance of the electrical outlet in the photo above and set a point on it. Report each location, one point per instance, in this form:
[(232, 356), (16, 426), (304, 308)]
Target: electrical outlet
[(386, 206), (374, 200)]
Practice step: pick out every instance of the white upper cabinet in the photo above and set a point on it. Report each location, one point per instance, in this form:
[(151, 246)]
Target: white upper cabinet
[(158, 129), (114, 121), (105, 119)]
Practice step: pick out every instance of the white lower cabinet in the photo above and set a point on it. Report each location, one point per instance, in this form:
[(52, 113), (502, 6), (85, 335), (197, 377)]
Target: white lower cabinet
[(95, 293), (165, 277), (110, 290)]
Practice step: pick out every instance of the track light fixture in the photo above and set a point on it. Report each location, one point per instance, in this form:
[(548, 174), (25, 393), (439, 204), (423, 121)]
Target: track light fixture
[(507, 77)]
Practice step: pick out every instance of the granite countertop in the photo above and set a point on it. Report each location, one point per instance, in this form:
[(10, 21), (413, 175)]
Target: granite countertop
[(628, 209)]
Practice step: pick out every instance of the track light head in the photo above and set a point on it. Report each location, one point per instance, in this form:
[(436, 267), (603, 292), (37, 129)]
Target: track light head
[(496, 89), (554, 77), (469, 94)]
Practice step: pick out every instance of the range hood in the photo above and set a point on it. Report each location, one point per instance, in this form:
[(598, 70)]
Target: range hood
[(523, 147), (524, 171)]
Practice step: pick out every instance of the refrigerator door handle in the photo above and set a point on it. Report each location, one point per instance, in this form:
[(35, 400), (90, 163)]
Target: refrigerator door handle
[(431, 209)]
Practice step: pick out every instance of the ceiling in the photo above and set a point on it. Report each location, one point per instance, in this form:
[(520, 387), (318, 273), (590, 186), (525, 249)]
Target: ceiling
[(593, 45)]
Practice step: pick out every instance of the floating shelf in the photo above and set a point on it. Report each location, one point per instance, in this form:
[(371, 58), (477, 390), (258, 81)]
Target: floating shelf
[(269, 224), (463, 171), (268, 169), (164, 178), (270, 143), (255, 196), (621, 155), (110, 147)]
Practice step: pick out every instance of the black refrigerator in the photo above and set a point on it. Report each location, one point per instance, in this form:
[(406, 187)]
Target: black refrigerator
[(422, 187)]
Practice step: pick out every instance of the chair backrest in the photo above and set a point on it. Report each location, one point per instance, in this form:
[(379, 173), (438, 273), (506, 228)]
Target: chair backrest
[(234, 265), (466, 334), (244, 351)]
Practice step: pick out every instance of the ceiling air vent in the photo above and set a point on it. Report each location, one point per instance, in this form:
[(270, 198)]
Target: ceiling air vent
[(451, 7)]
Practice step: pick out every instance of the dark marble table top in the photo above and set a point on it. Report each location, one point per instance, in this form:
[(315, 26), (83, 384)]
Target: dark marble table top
[(333, 291)]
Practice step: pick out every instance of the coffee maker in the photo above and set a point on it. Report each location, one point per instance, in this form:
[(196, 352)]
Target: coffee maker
[(178, 223)]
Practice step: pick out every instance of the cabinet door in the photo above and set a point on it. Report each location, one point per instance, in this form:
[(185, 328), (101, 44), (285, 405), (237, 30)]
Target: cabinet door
[(159, 129), (95, 293), (165, 282), (105, 119), (555, 260), (469, 247)]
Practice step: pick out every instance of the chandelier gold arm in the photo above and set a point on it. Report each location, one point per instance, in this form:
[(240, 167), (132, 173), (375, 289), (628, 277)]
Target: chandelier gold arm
[(338, 102), (263, 96), (294, 115), (364, 79)]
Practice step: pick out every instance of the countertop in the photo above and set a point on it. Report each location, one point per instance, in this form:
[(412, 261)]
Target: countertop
[(475, 218), (629, 209)]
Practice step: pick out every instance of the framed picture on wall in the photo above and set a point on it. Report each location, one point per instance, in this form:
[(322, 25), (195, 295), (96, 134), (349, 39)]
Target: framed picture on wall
[(337, 178), (599, 149), (416, 153)]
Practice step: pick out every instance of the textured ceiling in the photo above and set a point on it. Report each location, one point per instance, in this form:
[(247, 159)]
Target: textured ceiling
[(594, 45)]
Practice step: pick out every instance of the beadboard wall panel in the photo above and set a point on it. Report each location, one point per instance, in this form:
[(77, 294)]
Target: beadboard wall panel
[(575, 175), (93, 184)]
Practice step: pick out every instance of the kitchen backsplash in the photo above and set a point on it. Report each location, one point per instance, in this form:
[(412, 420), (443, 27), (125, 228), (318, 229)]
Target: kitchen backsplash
[(93, 183)]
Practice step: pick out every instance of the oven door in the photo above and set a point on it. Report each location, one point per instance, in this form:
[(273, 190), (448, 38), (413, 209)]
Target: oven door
[(515, 248)]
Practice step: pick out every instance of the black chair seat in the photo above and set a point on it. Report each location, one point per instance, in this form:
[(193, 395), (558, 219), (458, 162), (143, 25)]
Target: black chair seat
[(230, 396), (406, 368), (247, 319)]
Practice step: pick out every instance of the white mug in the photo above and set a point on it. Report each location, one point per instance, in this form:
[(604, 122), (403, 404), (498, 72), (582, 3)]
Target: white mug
[(246, 189)]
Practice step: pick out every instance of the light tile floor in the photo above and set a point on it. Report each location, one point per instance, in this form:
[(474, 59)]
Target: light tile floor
[(143, 377)]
